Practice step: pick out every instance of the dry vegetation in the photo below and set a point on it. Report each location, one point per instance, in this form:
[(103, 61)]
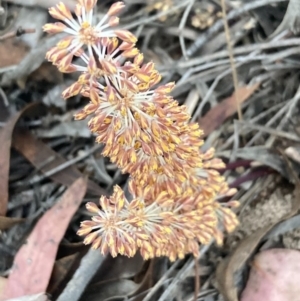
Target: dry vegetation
[(237, 73)]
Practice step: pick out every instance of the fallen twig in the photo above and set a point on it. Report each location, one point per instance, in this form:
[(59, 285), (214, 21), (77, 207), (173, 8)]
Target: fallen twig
[(88, 267), (16, 33)]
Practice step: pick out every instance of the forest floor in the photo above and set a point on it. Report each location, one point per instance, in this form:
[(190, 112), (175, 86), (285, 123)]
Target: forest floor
[(238, 74)]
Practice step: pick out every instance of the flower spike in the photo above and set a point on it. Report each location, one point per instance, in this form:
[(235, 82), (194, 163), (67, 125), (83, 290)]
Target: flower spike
[(175, 187)]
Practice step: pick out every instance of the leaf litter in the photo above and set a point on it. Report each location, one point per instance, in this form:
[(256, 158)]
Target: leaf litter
[(41, 156), (273, 276), (34, 261), (6, 139)]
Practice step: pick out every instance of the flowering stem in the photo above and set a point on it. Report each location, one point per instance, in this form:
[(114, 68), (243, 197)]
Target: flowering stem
[(175, 186)]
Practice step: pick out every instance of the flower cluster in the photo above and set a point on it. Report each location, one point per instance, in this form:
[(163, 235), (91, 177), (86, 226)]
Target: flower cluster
[(175, 186)]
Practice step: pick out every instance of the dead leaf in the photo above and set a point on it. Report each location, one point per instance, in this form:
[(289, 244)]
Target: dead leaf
[(290, 21), (284, 227), (230, 267), (265, 156), (114, 288), (67, 249), (37, 297), (8, 222), (37, 152), (218, 114), (12, 52), (148, 280), (34, 261), (5, 138), (62, 272), (274, 276), (2, 285), (48, 73), (114, 278), (119, 267)]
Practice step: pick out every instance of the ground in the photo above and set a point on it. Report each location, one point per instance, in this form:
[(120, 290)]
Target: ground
[(238, 75)]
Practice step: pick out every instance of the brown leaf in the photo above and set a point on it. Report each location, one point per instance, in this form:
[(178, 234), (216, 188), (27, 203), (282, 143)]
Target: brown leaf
[(230, 267), (114, 288), (274, 276), (218, 114), (12, 52), (34, 261), (5, 138), (2, 285), (66, 249), (38, 153), (7, 222), (148, 280), (62, 272), (119, 267), (37, 297), (111, 278), (48, 73)]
